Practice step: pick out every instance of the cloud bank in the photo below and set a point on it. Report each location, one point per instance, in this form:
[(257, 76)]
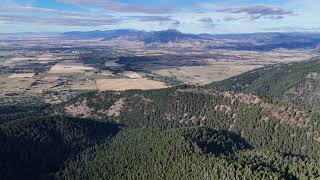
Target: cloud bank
[(259, 12), (191, 16)]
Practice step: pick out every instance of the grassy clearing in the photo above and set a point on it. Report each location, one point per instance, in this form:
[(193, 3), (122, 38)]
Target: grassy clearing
[(205, 74), (126, 84)]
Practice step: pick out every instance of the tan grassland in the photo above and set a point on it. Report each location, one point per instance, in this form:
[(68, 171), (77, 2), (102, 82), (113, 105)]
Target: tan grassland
[(126, 84), (22, 75), (67, 68), (206, 74), (132, 75)]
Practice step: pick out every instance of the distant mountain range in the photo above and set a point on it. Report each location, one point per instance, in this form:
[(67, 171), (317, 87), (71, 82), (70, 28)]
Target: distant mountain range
[(147, 37), (253, 41)]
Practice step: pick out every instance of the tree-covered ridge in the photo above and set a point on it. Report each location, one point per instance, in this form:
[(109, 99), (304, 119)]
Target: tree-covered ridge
[(185, 132), (297, 83), (37, 147), (182, 154), (15, 108), (269, 125), (185, 105)]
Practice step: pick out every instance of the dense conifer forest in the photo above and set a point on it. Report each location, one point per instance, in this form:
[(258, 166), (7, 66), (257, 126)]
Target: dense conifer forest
[(241, 128), (296, 83)]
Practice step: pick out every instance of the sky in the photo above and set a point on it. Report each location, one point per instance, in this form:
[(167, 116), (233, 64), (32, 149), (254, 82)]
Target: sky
[(189, 16)]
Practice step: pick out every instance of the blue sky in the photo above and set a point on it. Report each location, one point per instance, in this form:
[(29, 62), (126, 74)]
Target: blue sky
[(192, 16)]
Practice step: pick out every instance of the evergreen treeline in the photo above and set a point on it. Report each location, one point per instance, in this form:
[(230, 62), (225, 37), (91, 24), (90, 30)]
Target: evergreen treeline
[(177, 133), (183, 154), (35, 147), (158, 140), (297, 83), (173, 108)]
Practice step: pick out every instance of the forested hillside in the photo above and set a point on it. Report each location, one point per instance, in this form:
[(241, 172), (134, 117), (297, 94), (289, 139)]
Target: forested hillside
[(231, 131), (36, 146), (297, 83), (189, 153), (264, 124)]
